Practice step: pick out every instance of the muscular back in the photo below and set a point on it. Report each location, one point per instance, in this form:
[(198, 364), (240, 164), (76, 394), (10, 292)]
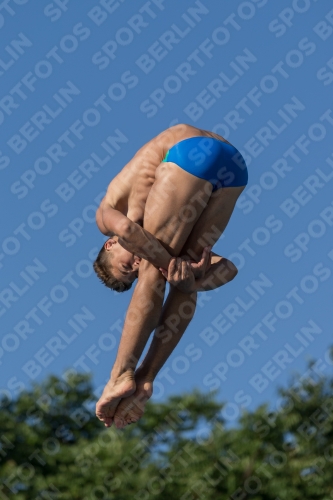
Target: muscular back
[(129, 190)]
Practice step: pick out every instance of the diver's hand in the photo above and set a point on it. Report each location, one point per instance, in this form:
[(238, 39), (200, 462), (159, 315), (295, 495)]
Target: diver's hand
[(200, 268), (180, 275)]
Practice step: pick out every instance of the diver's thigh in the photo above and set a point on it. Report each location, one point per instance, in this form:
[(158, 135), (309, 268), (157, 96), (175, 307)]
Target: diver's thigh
[(213, 220), (223, 201), (174, 204)]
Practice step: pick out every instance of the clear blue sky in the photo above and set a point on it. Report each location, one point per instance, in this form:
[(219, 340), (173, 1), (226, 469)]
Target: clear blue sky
[(258, 72)]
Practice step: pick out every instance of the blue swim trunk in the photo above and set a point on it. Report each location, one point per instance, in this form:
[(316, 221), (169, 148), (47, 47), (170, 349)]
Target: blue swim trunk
[(210, 159)]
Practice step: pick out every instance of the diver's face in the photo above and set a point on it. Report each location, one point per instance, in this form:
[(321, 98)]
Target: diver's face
[(125, 265)]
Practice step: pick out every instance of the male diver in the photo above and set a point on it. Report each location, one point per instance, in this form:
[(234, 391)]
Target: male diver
[(175, 197)]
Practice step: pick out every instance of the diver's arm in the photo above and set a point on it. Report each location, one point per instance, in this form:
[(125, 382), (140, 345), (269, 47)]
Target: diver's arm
[(133, 237)]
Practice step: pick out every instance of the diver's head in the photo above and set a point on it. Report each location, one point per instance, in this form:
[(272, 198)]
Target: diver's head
[(116, 267)]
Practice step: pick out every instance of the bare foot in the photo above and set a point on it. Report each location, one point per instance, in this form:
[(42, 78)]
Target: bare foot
[(113, 392), (131, 409)]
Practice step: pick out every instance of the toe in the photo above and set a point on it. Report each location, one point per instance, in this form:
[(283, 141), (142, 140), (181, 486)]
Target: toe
[(119, 422), (108, 421)]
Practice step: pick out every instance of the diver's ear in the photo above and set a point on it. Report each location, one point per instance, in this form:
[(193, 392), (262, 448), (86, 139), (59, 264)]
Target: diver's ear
[(109, 243)]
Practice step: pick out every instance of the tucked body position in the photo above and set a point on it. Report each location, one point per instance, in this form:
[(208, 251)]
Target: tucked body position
[(163, 213)]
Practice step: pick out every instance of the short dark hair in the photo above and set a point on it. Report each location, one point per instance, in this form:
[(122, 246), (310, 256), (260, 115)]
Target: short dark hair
[(103, 269)]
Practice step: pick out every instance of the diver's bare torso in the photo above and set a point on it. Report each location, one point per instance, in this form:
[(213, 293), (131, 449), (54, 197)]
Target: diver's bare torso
[(129, 190)]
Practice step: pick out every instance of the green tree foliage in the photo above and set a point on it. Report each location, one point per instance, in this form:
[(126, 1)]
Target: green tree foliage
[(53, 447)]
